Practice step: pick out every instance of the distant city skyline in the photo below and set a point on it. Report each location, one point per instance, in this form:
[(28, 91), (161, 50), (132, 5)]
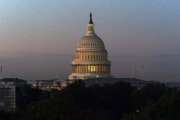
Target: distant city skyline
[(38, 38)]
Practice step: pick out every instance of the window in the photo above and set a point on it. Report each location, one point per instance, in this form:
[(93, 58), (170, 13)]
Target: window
[(92, 68)]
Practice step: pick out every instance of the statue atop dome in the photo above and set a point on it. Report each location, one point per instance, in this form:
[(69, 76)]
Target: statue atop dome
[(90, 20)]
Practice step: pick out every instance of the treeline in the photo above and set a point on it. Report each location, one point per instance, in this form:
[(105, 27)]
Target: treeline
[(118, 101)]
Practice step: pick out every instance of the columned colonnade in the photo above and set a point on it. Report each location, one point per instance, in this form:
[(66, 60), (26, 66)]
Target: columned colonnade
[(91, 68)]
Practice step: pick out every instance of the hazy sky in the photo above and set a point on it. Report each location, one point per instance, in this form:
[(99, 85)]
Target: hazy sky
[(44, 29)]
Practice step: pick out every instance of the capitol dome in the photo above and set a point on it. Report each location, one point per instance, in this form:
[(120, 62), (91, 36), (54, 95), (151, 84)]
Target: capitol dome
[(91, 41), (91, 57)]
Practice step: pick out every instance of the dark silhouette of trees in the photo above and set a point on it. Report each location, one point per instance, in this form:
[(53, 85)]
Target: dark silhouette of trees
[(78, 102), (118, 101)]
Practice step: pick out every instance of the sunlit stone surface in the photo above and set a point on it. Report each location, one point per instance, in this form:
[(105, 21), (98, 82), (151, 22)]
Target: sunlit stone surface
[(91, 57)]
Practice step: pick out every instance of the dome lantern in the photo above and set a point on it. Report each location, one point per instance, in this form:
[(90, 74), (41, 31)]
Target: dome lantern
[(90, 27)]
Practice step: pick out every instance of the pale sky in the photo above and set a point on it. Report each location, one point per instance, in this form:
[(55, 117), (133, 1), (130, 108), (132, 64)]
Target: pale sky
[(35, 31)]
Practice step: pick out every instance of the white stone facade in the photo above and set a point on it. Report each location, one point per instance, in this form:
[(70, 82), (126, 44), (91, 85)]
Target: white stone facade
[(91, 57)]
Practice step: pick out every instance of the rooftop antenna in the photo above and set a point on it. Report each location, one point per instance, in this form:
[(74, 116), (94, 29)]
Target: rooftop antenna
[(1, 68), (133, 71)]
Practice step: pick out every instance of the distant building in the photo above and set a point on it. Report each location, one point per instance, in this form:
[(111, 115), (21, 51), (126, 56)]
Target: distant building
[(7, 96), (16, 81), (91, 57), (107, 81), (48, 85)]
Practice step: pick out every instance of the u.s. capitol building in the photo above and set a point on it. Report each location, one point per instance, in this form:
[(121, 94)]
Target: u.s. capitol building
[(91, 57)]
